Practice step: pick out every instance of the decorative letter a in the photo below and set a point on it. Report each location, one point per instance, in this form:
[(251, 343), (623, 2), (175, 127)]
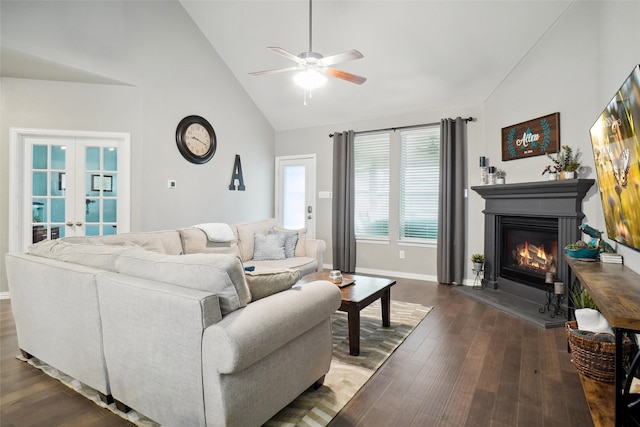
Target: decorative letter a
[(237, 174)]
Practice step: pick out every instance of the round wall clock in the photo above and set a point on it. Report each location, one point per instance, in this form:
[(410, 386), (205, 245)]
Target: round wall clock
[(196, 139)]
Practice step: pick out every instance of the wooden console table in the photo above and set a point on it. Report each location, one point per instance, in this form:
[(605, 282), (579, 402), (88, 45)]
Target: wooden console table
[(616, 291)]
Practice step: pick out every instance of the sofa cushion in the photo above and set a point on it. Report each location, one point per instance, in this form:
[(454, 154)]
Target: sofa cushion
[(305, 264), (290, 240), (165, 242), (94, 254), (220, 274), (302, 239), (269, 247), (267, 282), (245, 233)]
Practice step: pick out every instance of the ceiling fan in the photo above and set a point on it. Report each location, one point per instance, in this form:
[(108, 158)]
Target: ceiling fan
[(313, 66)]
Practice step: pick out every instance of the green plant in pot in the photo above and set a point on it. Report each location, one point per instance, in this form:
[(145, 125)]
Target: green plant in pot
[(566, 161), (478, 262)]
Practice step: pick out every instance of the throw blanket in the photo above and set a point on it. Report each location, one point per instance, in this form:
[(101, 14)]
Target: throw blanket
[(592, 320), (217, 232)]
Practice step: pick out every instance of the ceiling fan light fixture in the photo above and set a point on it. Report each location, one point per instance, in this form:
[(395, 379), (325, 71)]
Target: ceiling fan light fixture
[(310, 79)]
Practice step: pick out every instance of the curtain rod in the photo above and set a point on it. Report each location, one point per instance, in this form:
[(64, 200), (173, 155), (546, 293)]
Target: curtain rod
[(468, 119)]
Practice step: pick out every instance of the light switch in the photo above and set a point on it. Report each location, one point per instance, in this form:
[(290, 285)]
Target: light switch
[(171, 184)]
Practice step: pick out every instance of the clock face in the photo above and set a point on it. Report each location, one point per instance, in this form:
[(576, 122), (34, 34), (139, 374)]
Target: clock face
[(196, 139)]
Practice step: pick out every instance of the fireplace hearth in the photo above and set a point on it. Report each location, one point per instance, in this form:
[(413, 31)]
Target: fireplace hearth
[(526, 228)]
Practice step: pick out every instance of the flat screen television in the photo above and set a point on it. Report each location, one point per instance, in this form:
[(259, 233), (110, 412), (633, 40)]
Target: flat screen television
[(615, 138)]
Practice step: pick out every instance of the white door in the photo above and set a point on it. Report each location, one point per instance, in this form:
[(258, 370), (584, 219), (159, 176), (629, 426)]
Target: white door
[(295, 192), (67, 184)]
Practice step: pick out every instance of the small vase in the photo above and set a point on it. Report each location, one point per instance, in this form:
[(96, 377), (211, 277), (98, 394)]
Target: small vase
[(553, 176), (477, 266), (569, 174), (499, 180)]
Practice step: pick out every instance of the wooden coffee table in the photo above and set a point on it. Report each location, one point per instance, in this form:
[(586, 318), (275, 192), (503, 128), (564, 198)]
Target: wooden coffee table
[(355, 297)]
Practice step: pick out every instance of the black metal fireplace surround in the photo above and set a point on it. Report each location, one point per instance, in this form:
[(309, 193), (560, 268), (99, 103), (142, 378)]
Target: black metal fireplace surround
[(526, 227)]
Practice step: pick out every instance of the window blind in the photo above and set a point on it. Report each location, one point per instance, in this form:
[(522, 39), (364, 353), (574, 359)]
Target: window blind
[(371, 163), (419, 181)]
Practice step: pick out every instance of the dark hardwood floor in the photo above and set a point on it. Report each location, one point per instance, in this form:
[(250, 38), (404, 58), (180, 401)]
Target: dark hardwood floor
[(466, 364)]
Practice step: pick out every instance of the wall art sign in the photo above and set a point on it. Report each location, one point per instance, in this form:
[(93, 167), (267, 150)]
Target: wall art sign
[(535, 137)]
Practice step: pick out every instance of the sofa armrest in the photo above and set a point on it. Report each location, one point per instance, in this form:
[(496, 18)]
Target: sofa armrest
[(316, 248), (246, 336)]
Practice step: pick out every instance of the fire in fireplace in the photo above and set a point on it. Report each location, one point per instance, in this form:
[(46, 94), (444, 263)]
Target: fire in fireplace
[(529, 249), (535, 259)]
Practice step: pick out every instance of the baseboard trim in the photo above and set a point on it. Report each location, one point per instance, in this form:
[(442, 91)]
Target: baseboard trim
[(400, 274), (4, 295)]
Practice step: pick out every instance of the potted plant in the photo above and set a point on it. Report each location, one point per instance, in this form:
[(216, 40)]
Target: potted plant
[(566, 161), (478, 262), (553, 172), (500, 175)]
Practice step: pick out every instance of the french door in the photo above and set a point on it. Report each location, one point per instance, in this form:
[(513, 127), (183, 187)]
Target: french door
[(295, 192), (68, 184)]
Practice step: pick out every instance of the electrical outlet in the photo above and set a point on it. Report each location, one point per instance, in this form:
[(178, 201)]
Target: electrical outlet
[(401, 254)]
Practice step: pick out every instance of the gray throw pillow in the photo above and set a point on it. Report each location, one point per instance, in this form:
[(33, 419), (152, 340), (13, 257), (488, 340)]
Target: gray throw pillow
[(269, 247), (290, 241)]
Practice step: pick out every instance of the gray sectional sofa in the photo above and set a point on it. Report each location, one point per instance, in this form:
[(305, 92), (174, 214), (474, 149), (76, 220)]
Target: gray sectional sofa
[(185, 338)]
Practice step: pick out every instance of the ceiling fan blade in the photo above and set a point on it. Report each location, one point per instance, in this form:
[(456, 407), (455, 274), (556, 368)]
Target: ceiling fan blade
[(287, 54), (341, 57), (274, 71), (345, 76)]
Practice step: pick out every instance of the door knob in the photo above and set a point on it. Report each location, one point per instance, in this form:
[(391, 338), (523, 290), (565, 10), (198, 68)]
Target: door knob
[(69, 223), (308, 216), (79, 223)]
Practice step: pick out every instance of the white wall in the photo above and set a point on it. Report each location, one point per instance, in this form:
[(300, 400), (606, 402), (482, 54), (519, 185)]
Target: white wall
[(168, 71), (419, 262), (574, 69)]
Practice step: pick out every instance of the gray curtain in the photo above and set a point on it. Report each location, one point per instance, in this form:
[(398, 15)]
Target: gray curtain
[(342, 212), (451, 204)]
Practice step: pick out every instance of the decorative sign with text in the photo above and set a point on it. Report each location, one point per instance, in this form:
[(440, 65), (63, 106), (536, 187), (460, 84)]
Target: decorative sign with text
[(532, 138)]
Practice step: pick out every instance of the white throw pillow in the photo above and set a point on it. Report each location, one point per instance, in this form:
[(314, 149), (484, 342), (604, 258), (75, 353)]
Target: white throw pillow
[(302, 239), (269, 247)]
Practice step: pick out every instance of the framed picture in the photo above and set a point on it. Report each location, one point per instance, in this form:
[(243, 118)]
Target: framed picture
[(535, 137), (615, 140), (104, 183), (62, 181)]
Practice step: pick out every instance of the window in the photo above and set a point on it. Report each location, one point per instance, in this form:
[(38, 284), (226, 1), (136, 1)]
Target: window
[(371, 164), (419, 181), (414, 169)]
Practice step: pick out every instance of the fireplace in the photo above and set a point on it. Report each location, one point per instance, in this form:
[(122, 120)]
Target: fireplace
[(526, 227), (528, 249)]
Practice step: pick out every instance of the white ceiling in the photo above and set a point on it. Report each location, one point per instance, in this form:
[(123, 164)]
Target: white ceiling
[(418, 55)]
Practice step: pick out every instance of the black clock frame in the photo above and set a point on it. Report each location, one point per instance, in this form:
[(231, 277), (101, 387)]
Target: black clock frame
[(182, 143)]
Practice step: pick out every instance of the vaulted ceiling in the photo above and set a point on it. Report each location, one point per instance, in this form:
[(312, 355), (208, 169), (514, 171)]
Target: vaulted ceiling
[(418, 55)]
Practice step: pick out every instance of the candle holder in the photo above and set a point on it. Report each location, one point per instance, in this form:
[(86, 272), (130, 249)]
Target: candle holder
[(555, 295), (477, 281), (492, 175)]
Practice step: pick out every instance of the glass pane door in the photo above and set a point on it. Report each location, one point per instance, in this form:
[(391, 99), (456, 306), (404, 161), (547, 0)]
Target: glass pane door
[(295, 192), (48, 190), (100, 190)]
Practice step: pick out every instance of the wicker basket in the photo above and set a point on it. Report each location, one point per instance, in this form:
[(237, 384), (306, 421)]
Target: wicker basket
[(594, 359)]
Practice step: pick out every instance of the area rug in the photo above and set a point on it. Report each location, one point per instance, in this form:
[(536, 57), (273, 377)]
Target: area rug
[(345, 377)]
